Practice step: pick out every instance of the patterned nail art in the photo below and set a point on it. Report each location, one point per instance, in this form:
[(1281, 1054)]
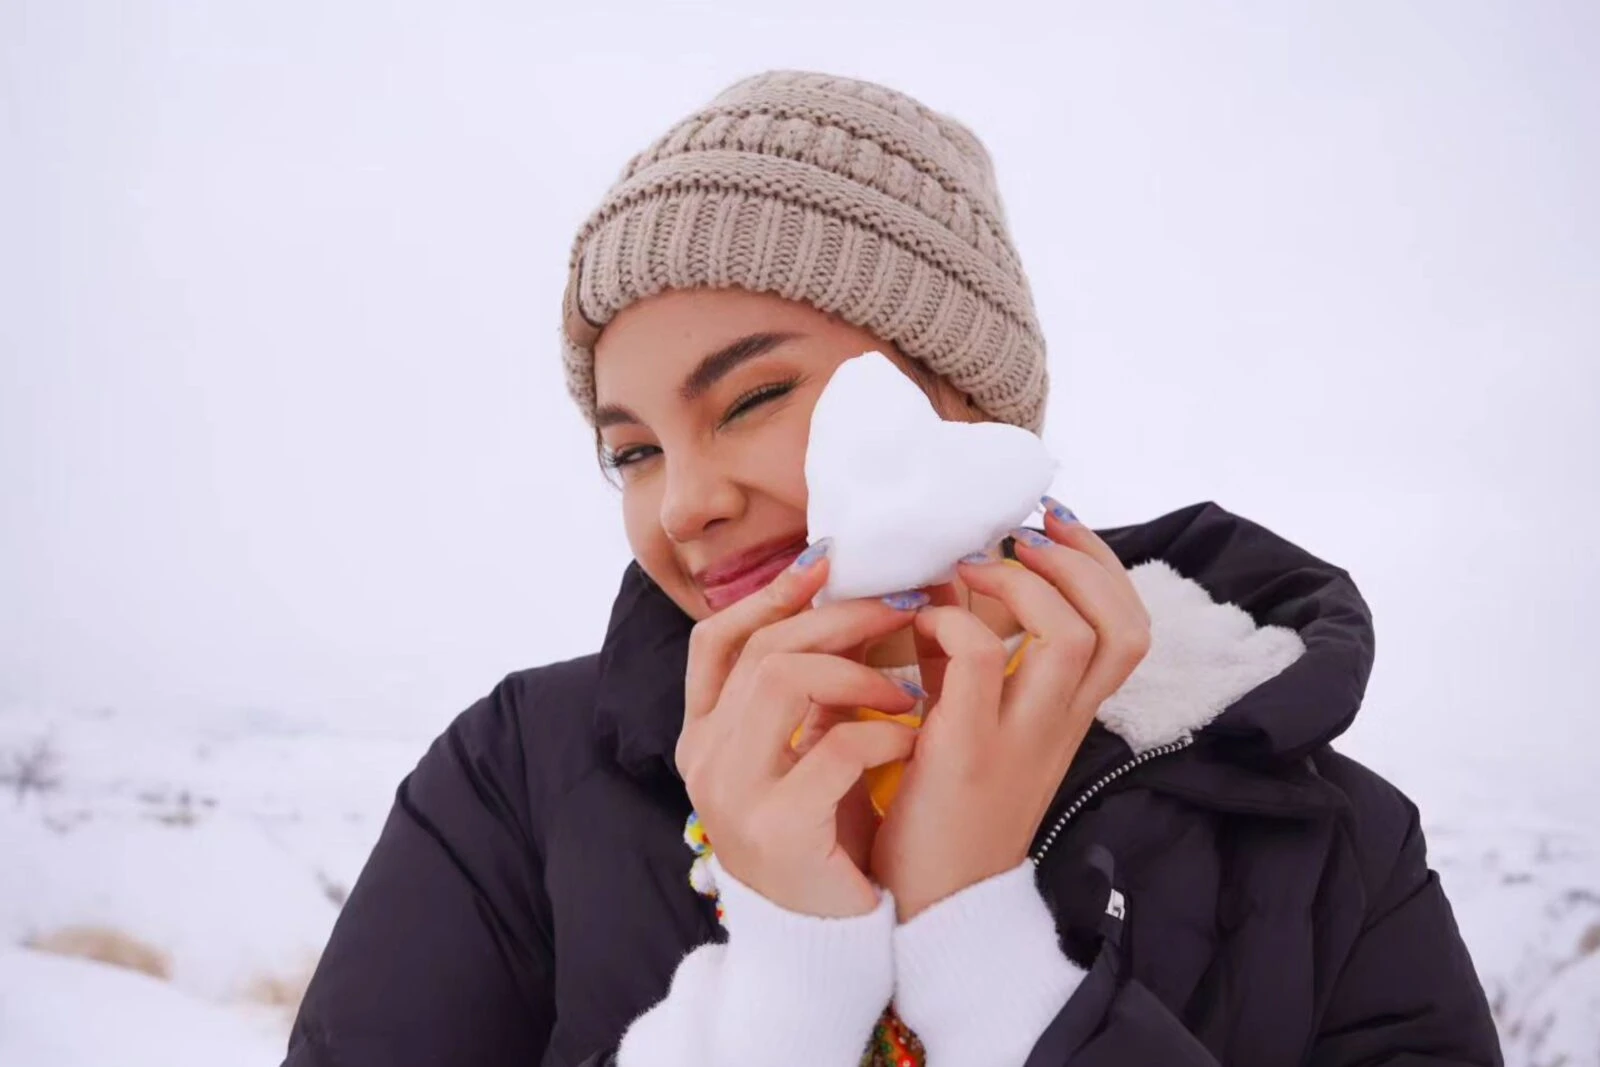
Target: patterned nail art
[(907, 601), (813, 553), (1058, 509), (912, 689), (977, 557), (1031, 538)]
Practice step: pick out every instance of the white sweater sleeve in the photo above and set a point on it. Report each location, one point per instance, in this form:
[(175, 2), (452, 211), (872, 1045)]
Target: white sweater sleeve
[(786, 989), (980, 975)]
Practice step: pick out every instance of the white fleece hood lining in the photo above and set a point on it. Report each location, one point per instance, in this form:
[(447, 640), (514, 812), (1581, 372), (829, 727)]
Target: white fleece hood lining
[(1203, 657)]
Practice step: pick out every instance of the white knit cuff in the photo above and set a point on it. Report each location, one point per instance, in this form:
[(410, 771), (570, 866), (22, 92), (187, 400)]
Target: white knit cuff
[(980, 975), (799, 989)]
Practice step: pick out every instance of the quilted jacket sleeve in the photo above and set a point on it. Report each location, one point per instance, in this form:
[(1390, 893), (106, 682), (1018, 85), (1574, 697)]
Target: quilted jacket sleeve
[(1409, 995), (442, 953)]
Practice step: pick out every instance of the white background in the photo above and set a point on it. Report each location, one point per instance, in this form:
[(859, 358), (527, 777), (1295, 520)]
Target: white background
[(281, 419), (283, 436)]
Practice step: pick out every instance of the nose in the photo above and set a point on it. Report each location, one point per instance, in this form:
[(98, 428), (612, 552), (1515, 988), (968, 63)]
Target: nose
[(699, 494)]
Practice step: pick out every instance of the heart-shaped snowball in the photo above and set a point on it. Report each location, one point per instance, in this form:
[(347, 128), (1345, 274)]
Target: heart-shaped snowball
[(903, 493)]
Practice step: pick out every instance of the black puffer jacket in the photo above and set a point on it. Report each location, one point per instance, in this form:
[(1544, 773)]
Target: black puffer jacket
[(529, 897)]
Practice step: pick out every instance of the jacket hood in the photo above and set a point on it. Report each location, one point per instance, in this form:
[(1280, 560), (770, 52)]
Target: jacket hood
[(1259, 649)]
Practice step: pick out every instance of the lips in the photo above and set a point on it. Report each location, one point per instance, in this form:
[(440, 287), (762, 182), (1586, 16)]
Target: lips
[(730, 580)]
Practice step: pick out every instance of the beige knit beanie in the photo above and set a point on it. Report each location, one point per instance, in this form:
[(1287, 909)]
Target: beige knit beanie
[(842, 194)]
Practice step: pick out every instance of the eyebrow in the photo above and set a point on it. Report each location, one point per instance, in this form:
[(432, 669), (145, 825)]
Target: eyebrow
[(707, 373), (721, 363)]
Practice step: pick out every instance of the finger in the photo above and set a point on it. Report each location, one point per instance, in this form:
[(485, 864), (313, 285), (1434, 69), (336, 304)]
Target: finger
[(1063, 641), (823, 777), (974, 674), (776, 697), (931, 659), (842, 628), (1091, 648), (819, 720), (715, 643), (816, 724), (1065, 528), (1029, 592), (1106, 599)]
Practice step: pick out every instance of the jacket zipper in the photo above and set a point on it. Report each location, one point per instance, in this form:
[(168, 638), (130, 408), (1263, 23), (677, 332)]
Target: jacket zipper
[(1090, 793)]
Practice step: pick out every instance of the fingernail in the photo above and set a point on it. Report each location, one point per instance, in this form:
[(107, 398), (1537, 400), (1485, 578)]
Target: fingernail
[(977, 557), (814, 552), (1031, 538), (912, 689), (1058, 509), (908, 601)]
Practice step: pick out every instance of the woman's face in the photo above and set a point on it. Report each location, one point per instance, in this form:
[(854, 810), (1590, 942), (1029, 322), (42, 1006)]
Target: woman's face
[(703, 405)]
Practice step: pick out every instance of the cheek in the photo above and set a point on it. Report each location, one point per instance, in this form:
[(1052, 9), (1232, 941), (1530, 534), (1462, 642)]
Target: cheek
[(775, 463), (641, 518)]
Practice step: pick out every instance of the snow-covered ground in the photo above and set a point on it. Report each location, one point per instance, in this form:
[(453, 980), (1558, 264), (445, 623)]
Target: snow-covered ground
[(66, 1011), (223, 849)]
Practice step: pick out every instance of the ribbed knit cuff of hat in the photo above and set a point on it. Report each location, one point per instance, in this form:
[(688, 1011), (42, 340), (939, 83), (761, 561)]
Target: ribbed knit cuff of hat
[(980, 975), (841, 194), (786, 989)]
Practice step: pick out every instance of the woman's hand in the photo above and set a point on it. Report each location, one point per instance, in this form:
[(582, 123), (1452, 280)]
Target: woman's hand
[(757, 671), (993, 750)]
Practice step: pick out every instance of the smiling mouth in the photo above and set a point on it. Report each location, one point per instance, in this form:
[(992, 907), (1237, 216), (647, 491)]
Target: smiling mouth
[(724, 585)]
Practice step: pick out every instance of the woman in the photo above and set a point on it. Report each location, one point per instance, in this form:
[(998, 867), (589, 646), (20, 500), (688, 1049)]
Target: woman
[(1120, 836)]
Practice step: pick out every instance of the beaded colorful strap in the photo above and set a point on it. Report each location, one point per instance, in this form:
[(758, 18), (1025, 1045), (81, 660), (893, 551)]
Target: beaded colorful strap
[(700, 876), (892, 1044)]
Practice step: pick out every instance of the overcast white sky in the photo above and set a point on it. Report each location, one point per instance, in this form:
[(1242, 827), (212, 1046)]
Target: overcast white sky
[(282, 429)]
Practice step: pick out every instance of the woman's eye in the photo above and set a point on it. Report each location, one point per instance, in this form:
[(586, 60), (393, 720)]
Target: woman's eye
[(756, 397), (630, 456)]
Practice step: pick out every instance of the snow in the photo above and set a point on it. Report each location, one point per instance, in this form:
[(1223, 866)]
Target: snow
[(1526, 893), (58, 1012), (226, 846), (972, 483)]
